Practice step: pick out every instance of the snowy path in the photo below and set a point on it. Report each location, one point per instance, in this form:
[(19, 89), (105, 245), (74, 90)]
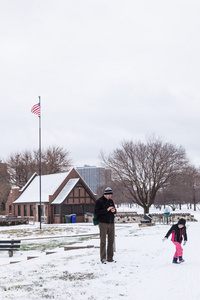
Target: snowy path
[(176, 281), (143, 270)]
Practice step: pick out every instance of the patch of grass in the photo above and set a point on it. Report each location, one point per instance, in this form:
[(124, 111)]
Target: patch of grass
[(82, 239), (18, 287), (76, 276), (43, 246), (45, 294), (27, 232)]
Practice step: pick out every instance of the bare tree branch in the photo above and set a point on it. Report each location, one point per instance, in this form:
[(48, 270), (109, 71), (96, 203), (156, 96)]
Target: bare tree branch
[(143, 169), (21, 166)]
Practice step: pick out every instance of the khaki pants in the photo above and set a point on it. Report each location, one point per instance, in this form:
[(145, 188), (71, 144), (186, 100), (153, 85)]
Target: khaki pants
[(106, 230)]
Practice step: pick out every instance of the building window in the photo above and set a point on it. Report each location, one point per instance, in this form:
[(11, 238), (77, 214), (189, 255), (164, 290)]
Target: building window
[(10, 209), (31, 210), (19, 210), (56, 210), (25, 210)]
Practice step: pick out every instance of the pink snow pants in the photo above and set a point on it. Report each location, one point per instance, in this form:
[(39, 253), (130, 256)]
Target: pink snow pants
[(179, 250)]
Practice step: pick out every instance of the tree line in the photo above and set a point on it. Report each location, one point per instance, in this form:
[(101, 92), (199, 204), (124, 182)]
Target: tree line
[(155, 172), (18, 168), (145, 173)]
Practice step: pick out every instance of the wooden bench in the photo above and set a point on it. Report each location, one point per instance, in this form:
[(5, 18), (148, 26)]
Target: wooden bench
[(10, 246)]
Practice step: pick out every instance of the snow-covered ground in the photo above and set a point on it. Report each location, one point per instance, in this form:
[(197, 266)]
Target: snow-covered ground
[(143, 271)]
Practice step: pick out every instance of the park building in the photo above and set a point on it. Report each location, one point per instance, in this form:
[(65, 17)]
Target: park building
[(62, 194)]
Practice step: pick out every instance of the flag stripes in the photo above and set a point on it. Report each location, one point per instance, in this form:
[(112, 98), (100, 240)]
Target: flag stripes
[(36, 109)]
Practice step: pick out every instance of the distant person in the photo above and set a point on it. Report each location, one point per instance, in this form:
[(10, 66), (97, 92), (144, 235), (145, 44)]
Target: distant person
[(105, 211), (178, 232)]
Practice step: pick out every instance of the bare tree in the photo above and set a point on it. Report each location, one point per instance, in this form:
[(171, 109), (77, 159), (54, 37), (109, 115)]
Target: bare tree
[(21, 166), (4, 185), (55, 160), (143, 169), (193, 182), (167, 196), (181, 190)]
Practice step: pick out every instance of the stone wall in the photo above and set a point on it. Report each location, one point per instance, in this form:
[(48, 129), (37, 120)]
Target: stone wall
[(156, 218)]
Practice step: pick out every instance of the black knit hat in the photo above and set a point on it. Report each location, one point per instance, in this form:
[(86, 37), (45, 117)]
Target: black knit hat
[(108, 191), (182, 222)]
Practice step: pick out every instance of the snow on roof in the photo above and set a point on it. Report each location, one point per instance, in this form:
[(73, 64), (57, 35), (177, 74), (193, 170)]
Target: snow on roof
[(49, 184), (30, 179), (65, 191)]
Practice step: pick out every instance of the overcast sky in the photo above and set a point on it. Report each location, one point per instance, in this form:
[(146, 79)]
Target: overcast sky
[(106, 70)]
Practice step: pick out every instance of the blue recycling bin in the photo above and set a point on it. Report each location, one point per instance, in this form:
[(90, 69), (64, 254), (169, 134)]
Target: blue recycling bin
[(73, 218)]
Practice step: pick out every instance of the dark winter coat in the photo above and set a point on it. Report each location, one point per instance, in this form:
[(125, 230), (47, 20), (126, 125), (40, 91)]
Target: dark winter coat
[(177, 233), (100, 210)]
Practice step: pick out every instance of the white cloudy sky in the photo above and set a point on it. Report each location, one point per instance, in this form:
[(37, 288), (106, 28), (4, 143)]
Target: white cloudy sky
[(106, 70)]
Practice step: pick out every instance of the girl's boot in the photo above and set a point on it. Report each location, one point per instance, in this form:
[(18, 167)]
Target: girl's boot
[(181, 259), (175, 260)]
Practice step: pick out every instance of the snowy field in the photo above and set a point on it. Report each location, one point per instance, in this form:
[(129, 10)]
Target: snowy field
[(143, 271)]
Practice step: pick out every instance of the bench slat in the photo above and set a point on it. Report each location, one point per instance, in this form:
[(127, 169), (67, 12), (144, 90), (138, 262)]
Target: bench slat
[(10, 242), (8, 249), (9, 246)]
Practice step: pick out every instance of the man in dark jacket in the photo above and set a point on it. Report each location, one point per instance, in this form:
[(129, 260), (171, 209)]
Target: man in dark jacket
[(105, 211)]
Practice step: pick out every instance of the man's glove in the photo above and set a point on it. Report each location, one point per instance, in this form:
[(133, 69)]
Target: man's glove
[(164, 239), (184, 243)]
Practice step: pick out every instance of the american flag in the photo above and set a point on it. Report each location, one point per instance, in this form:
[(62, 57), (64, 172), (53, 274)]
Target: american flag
[(36, 109)]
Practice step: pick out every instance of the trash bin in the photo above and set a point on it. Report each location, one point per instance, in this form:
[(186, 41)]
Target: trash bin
[(73, 218), (148, 218), (67, 218)]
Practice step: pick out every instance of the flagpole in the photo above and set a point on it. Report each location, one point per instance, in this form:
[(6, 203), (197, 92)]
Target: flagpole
[(40, 165)]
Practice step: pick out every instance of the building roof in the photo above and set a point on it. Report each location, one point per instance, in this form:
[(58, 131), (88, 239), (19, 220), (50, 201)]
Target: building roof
[(28, 182), (49, 184), (66, 191)]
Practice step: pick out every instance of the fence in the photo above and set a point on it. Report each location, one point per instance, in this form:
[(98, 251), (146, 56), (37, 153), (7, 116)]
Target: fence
[(156, 218), (9, 221)]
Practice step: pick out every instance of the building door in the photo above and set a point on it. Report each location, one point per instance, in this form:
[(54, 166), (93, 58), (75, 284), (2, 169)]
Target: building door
[(40, 212)]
